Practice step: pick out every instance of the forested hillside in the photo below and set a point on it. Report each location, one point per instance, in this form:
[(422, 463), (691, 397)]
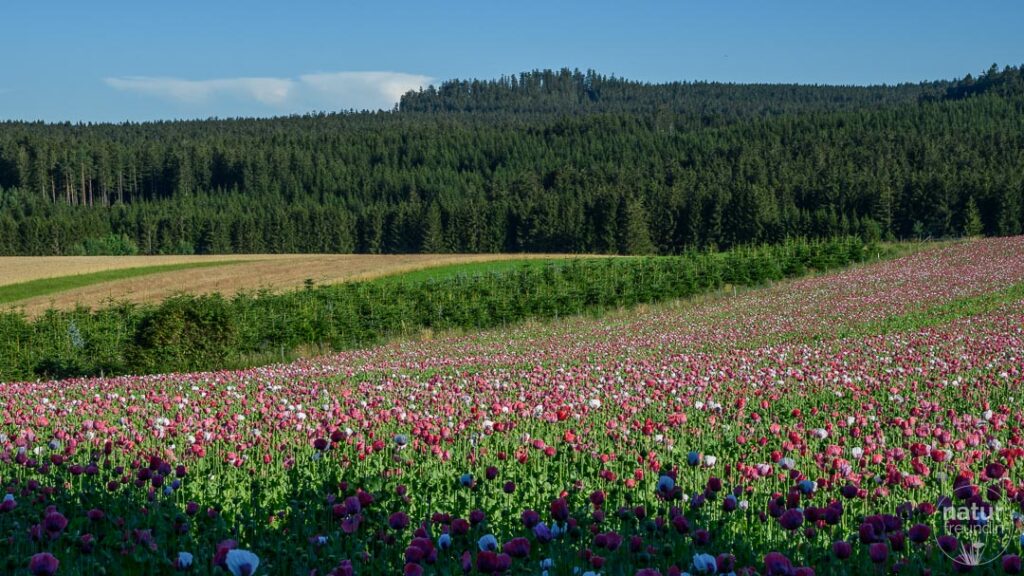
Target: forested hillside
[(544, 161)]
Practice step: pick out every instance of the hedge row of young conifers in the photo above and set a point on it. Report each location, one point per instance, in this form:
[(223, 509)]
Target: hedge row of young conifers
[(188, 333)]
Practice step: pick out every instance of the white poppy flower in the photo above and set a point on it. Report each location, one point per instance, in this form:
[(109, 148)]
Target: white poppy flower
[(242, 562)]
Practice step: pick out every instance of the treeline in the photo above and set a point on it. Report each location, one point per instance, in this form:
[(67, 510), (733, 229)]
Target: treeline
[(545, 161), (570, 92), (211, 333)]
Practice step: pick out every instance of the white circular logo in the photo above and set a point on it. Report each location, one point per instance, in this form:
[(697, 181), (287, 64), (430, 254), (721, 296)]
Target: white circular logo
[(976, 526)]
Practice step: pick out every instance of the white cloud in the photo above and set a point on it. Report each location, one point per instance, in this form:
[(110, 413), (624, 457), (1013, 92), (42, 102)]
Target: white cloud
[(362, 89), (271, 91), (320, 91)]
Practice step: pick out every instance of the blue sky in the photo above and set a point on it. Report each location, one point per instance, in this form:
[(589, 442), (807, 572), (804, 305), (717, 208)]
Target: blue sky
[(118, 60)]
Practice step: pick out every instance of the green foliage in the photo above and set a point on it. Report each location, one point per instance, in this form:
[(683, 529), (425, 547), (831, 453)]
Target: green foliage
[(210, 332), (182, 247), (870, 231), (433, 233), (183, 333), (110, 245), (636, 229), (565, 91), (973, 225)]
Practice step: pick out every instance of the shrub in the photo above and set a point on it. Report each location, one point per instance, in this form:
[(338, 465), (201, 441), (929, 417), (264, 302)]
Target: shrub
[(184, 333), (111, 245)]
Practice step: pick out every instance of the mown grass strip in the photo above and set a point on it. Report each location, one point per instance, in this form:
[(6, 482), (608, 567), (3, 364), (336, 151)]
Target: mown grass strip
[(938, 315), (470, 269), (924, 317), (12, 293)]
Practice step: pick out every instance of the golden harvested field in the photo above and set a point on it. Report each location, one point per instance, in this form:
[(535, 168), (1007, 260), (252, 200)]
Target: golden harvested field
[(17, 269), (255, 271)]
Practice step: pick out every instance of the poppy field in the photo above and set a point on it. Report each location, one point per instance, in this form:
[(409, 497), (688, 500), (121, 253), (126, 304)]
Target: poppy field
[(867, 421)]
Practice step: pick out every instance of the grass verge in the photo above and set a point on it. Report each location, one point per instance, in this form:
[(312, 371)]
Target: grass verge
[(470, 269)]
